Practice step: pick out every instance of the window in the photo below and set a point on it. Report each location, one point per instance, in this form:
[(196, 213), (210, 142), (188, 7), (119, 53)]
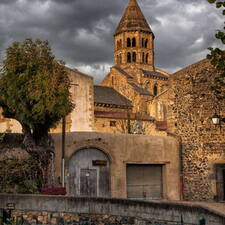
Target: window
[(128, 57), (146, 43), (128, 42), (155, 90), (134, 56), (143, 57), (146, 58), (112, 123), (133, 42)]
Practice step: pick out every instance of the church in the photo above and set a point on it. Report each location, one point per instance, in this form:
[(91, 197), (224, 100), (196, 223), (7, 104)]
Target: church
[(142, 133), (130, 98)]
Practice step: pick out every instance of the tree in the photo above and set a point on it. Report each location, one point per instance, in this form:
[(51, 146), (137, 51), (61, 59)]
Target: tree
[(34, 90), (217, 57)]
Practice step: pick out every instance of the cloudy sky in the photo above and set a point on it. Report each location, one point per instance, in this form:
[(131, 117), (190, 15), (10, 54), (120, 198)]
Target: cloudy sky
[(81, 31)]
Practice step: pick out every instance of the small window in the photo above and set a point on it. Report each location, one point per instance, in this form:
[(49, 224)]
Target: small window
[(134, 56), (128, 57), (128, 42), (120, 58), (112, 123), (143, 57), (133, 42), (155, 89), (146, 58), (146, 43)]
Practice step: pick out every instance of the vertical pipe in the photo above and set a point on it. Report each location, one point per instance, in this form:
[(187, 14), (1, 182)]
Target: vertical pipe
[(63, 150)]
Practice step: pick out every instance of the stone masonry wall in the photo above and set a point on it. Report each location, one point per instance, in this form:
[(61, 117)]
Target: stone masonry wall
[(203, 144)]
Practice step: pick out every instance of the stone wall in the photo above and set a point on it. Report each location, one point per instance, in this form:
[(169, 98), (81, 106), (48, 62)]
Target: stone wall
[(39, 209), (203, 144)]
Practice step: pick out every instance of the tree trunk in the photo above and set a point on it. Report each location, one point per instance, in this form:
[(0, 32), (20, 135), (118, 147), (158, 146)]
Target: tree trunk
[(39, 145)]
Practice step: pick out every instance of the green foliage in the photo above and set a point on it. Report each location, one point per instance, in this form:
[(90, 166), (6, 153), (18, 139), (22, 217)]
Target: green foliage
[(19, 176), (217, 58), (34, 87)]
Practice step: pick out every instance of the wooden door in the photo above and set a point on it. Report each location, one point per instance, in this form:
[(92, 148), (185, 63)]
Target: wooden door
[(88, 182)]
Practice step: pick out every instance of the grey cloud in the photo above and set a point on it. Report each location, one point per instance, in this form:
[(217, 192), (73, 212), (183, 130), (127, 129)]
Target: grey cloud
[(81, 31)]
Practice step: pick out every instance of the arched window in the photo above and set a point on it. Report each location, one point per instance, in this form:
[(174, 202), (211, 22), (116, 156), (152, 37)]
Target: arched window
[(134, 57), (112, 80), (142, 44), (143, 57), (146, 58), (133, 42), (155, 89), (146, 43), (120, 58), (128, 57), (128, 42)]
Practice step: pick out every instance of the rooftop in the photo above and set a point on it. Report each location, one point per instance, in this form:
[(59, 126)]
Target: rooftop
[(109, 96)]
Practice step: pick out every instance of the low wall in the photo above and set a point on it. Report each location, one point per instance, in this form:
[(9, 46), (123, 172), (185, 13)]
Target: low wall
[(52, 209)]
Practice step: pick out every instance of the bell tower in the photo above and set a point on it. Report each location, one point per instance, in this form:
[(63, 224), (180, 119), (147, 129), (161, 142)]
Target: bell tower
[(134, 39)]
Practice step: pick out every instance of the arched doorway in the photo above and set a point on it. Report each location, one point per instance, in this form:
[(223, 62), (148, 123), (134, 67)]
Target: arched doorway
[(89, 173)]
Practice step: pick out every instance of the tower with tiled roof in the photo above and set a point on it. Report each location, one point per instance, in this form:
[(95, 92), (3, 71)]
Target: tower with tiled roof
[(134, 39)]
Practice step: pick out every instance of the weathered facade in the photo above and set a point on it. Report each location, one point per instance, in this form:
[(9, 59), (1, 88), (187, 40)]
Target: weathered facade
[(120, 165), (203, 144)]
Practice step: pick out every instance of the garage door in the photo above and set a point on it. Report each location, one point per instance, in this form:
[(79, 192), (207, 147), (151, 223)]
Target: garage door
[(144, 181)]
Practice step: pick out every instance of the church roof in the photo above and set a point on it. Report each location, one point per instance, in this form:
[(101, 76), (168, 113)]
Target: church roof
[(123, 72), (133, 19), (140, 90), (108, 96), (154, 74)]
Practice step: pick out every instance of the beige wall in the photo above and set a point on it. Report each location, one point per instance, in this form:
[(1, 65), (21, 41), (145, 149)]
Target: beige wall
[(80, 119), (123, 149)]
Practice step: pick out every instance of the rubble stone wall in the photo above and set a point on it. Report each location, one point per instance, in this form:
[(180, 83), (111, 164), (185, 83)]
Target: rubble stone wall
[(203, 144)]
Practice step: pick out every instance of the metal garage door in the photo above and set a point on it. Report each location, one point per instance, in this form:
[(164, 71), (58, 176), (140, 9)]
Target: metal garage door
[(144, 181)]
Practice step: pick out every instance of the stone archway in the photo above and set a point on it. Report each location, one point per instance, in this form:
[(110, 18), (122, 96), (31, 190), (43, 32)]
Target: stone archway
[(89, 173)]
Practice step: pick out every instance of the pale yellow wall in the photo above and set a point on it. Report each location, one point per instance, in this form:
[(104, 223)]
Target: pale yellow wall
[(80, 119), (123, 149)]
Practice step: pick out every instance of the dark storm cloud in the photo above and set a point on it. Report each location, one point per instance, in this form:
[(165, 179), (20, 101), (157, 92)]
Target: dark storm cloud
[(81, 31)]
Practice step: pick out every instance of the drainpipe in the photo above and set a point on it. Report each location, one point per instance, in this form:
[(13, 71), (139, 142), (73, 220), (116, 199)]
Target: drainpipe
[(63, 150)]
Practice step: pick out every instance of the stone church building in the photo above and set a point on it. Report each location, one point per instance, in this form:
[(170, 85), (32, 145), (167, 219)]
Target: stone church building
[(142, 133)]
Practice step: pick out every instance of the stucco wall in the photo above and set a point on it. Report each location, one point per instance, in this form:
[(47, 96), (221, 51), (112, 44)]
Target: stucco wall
[(123, 149), (80, 119)]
